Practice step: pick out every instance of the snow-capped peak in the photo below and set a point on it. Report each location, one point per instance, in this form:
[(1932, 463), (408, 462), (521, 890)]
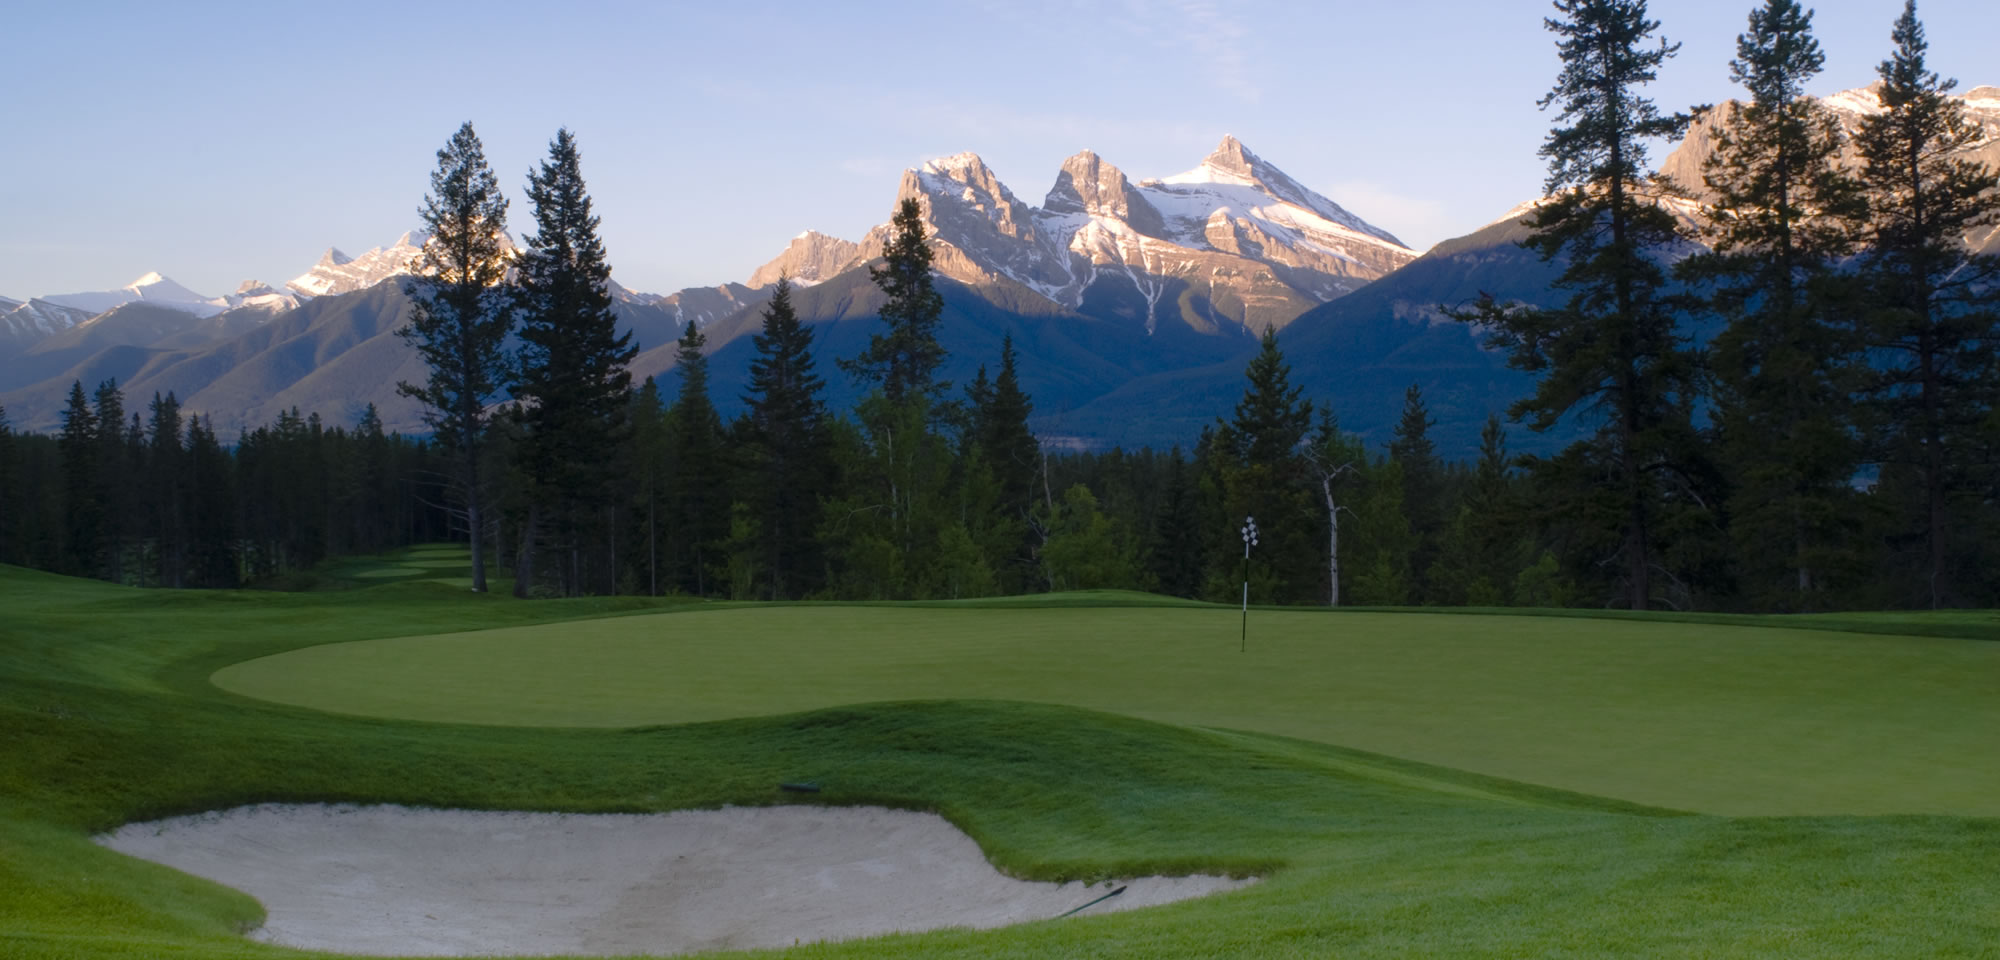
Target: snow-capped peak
[(150, 287), (1231, 167), (338, 273)]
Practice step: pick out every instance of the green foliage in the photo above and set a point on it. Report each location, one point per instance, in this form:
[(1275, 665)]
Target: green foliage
[(1086, 550), (904, 360), (1786, 362), (1934, 312), (698, 498), (1543, 584), (1613, 353), (1173, 554), (1009, 453), (461, 315), (788, 450), (573, 387), (1423, 485)]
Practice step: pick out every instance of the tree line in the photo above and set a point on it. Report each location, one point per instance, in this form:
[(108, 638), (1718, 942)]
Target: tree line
[(1835, 445), (1837, 438), (156, 499)]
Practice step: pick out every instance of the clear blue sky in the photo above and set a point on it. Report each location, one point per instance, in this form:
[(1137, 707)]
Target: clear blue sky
[(216, 142)]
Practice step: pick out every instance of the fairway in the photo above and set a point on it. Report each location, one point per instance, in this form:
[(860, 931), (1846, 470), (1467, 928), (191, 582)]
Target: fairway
[(1716, 719)]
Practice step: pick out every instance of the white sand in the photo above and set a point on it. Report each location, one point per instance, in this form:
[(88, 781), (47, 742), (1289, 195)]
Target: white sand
[(396, 880)]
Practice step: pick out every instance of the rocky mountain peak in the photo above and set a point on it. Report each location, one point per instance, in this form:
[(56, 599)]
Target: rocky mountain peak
[(811, 257)]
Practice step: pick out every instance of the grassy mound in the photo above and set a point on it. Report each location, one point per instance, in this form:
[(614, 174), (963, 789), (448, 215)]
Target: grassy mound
[(106, 716), (1715, 718)]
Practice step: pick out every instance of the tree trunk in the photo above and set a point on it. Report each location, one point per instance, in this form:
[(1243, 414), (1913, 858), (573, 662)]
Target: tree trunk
[(1332, 541), (524, 569)]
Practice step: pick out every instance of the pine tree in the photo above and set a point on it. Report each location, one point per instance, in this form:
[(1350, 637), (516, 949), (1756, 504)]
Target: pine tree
[(1423, 483), (904, 361), (1935, 306), (1266, 479), (1011, 453), (460, 316), (13, 500), (117, 492), (83, 513), (1784, 362), (210, 511), (166, 488), (700, 503), (1174, 554), (652, 453), (1613, 351), (1492, 520), (574, 389), (790, 459)]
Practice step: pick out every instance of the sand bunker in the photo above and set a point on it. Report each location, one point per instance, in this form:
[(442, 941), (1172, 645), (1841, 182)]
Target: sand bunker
[(395, 880)]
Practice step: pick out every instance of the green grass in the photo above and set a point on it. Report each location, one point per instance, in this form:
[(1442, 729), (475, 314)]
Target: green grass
[(1710, 718), (106, 716)]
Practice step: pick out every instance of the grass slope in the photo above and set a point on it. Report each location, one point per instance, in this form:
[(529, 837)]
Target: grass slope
[(105, 716), (1714, 718)]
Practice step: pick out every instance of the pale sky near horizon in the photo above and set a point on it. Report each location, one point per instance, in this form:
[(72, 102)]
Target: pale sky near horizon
[(221, 141)]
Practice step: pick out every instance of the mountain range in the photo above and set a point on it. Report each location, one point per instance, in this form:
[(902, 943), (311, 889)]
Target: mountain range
[(1133, 305)]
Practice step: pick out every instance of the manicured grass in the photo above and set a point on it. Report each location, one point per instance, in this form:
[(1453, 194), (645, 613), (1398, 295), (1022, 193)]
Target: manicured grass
[(106, 716), (1709, 718)]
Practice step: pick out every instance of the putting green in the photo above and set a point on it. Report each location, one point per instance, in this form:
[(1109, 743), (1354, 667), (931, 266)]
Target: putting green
[(1718, 719)]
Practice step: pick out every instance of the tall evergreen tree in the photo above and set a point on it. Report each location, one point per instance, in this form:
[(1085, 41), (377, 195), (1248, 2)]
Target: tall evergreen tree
[(210, 510), (1784, 363), (1613, 350), (1934, 320), (13, 500), (1266, 479), (700, 500), (1011, 453), (117, 493), (1423, 482), (166, 487), (904, 360), (652, 465), (790, 456), (83, 512), (573, 382), (460, 316), (1173, 555)]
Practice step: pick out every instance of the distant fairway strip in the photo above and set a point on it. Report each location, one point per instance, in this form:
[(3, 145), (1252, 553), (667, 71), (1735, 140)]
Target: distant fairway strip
[(1717, 719)]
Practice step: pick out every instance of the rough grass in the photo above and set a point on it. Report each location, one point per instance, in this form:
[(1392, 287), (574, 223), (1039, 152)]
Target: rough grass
[(106, 716)]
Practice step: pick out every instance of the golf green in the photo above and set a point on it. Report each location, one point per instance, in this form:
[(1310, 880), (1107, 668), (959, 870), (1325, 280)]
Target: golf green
[(1717, 719)]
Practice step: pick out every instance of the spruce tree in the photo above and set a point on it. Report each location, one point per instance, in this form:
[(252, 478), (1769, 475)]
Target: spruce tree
[(1266, 479), (1174, 551), (210, 510), (117, 480), (789, 451), (574, 388), (1613, 352), (652, 453), (13, 501), (1934, 315), (1423, 483), (699, 494), (83, 513), (1493, 522), (166, 488), (460, 316), (1785, 362), (905, 359), (1013, 456)]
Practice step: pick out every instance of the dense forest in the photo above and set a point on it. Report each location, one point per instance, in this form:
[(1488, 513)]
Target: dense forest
[(1835, 446)]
